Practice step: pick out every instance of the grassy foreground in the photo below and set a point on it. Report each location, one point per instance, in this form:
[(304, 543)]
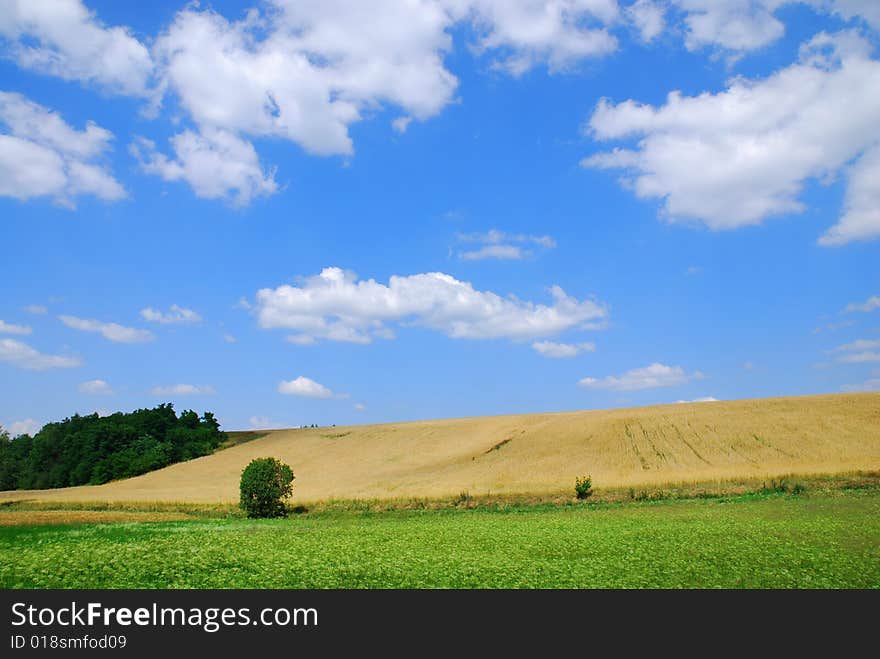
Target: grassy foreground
[(826, 540)]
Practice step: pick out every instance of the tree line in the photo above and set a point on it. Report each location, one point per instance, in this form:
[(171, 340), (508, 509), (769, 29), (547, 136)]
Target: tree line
[(91, 449)]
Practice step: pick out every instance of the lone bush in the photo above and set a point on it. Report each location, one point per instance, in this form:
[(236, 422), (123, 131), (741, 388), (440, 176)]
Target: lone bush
[(583, 487), (265, 485)]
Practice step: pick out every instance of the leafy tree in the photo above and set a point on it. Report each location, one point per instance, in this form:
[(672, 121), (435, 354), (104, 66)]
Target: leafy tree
[(93, 450), (266, 483)]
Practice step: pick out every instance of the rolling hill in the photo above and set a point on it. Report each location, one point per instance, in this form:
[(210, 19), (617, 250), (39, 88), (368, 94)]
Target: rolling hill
[(533, 453)]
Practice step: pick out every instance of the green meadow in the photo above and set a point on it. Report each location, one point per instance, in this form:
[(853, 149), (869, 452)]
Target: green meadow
[(827, 539)]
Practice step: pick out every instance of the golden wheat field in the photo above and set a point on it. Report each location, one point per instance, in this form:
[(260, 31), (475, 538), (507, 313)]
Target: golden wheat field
[(534, 453)]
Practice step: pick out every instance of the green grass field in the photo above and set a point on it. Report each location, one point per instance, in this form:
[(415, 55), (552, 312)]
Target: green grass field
[(819, 539)]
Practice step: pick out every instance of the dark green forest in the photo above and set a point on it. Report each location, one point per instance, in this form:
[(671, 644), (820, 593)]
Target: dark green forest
[(90, 450)]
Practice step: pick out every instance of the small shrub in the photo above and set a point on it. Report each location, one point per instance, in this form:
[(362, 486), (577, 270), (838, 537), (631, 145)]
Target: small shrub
[(265, 485), (583, 487)]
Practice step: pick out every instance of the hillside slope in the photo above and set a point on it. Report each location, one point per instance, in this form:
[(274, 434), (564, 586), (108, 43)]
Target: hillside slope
[(534, 452)]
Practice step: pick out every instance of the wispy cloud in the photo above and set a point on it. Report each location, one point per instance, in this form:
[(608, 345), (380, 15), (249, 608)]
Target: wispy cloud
[(501, 246), (11, 328), (24, 356), (183, 390), (562, 350), (110, 331), (650, 377), (871, 304), (176, 315)]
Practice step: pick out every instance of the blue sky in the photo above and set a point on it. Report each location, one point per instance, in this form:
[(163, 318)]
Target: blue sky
[(335, 212)]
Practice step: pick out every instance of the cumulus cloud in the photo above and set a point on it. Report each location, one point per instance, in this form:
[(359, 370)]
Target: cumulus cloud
[(176, 315), (648, 18), (650, 377), (42, 156), (110, 331), (95, 388), (306, 70), (216, 164), (742, 155), (521, 34), (305, 387), (182, 390), (737, 25), (24, 356), (871, 304), (12, 328), (24, 427), (64, 39), (562, 350), (740, 26), (335, 305)]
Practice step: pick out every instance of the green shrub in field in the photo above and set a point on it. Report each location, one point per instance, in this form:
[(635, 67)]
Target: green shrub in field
[(265, 485), (583, 487)]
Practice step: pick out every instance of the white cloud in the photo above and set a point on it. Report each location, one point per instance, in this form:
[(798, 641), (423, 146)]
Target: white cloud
[(500, 245), (36, 309), (401, 124), (24, 427), (110, 331), (704, 399), (524, 33), (215, 163), (868, 385), (261, 423), (95, 388), (871, 304), (12, 328), (64, 39), (737, 25), (562, 350), (864, 357), (861, 207), (229, 338), (42, 156), (176, 315), (499, 252), (303, 386), (648, 17), (24, 356), (650, 377), (496, 236), (183, 390), (869, 10), (742, 155), (306, 70), (301, 339), (360, 407), (336, 305), (859, 344)]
